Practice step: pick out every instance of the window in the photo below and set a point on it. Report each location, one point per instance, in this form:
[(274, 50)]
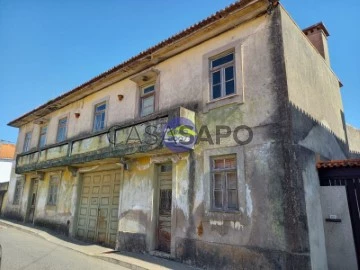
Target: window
[(18, 191), (222, 76), (53, 190), (42, 138), (61, 132), (224, 183), (99, 116), (27, 141), (147, 100)]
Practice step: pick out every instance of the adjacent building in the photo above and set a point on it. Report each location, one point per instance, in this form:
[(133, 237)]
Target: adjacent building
[(203, 147), (7, 160)]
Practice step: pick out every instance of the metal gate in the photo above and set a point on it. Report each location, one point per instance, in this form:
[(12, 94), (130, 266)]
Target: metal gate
[(350, 178), (98, 208)]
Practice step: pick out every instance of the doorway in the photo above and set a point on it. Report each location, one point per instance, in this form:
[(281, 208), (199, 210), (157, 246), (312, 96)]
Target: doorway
[(32, 200), (98, 208), (165, 202)]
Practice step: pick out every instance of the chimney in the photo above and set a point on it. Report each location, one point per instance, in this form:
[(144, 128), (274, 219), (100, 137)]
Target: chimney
[(317, 34)]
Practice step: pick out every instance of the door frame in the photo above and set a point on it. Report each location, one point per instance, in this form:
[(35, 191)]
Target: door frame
[(2, 196), (156, 206), (79, 193), (28, 207)]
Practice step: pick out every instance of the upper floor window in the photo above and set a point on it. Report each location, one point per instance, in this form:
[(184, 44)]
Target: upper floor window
[(99, 116), (222, 76), (42, 137), (61, 132), (53, 190), (224, 183), (147, 100), (27, 141)]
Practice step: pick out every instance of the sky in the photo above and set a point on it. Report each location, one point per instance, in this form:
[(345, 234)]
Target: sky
[(49, 47)]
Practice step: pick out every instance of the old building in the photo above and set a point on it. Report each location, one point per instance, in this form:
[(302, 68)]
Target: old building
[(7, 156), (114, 161)]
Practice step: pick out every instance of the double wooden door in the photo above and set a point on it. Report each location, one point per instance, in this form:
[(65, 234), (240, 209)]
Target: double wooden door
[(98, 208)]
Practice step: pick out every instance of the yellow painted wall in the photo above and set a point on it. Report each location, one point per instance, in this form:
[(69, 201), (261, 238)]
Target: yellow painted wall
[(181, 82), (61, 212)]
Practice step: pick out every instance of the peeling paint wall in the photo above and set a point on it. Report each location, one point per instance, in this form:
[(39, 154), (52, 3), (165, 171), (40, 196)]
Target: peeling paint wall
[(52, 216), (17, 211), (276, 226), (61, 212), (135, 206)]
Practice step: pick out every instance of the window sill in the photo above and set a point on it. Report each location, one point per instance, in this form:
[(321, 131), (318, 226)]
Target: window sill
[(147, 116), (224, 215), (222, 98), (224, 211), (223, 101)]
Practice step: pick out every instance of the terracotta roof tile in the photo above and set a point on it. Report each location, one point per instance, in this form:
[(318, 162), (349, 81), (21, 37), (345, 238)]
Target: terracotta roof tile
[(338, 163), (7, 151)]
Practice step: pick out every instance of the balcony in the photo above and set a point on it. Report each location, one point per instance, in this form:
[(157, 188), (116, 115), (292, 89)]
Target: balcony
[(118, 141)]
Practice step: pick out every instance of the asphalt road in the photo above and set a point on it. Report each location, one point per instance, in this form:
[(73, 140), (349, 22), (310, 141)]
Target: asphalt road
[(21, 250)]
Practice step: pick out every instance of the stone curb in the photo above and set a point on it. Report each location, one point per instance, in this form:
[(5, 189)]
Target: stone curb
[(128, 265), (121, 263)]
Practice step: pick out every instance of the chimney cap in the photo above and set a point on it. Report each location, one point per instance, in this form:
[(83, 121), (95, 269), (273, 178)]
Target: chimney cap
[(317, 26)]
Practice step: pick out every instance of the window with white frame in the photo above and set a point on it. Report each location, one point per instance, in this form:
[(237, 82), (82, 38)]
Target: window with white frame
[(224, 183), (62, 128), (27, 141), (42, 137), (18, 191), (147, 100), (99, 116), (222, 75), (53, 190)]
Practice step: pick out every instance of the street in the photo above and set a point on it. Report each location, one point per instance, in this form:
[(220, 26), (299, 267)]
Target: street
[(21, 250)]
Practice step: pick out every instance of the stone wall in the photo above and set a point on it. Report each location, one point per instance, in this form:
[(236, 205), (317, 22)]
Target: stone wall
[(354, 139)]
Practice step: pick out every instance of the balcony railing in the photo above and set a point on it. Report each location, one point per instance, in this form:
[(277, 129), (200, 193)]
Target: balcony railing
[(117, 141)]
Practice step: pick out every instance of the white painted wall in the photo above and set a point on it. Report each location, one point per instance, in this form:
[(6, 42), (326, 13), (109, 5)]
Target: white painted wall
[(5, 170)]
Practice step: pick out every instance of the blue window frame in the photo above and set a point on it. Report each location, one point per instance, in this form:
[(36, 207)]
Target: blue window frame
[(99, 116), (42, 137), (27, 142), (222, 76), (62, 128)]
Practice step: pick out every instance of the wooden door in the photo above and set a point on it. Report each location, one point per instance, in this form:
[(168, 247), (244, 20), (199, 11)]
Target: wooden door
[(33, 197), (165, 198), (98, 208)]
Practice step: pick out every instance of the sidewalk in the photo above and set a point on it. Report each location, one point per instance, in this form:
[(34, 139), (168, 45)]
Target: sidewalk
[(125, 259)]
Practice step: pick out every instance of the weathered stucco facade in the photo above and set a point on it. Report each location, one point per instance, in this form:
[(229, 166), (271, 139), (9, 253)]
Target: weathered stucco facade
[(280, 78)]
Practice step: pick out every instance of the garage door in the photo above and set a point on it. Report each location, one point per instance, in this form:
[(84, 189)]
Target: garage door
[(98, 208)]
